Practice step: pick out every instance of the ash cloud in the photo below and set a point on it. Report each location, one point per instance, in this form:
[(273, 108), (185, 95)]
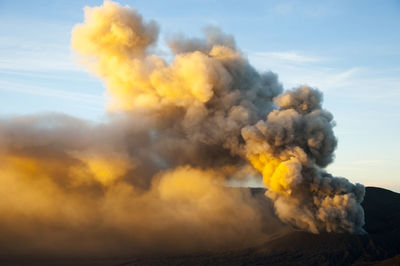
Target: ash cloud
[(152, 177), (72, 188)]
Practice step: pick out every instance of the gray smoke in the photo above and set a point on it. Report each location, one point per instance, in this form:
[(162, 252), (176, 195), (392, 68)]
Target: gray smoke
[(152, 178)]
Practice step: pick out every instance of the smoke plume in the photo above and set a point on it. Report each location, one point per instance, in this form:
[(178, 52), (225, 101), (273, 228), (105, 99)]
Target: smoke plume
[(153, 176)]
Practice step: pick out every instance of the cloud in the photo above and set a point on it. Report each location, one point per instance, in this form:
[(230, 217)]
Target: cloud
[(359, 81), (313, 9), (39, 90), (287, 57)]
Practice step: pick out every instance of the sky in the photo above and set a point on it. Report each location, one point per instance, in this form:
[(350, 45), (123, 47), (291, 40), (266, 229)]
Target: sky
[(350, 50)]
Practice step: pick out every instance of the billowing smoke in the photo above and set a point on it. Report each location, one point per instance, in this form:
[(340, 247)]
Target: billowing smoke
[(70, 187), (289, 148), (153, 176)]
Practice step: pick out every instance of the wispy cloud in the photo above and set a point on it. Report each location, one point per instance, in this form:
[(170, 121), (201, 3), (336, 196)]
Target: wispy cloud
[(36, 64), (22, 51), (368, 162), (45, 75), (296, 68), (314, 9), (288, 57), (358, 82), (49, 61), (36, 90)]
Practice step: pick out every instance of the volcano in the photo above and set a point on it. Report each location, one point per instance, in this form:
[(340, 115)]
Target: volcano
[(151, 184), (380, 246)]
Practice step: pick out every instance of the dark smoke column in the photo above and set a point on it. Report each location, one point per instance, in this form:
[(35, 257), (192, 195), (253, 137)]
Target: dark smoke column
[(290, 148)]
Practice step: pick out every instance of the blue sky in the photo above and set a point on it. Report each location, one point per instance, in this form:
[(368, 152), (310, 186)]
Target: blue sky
[(350, 50)]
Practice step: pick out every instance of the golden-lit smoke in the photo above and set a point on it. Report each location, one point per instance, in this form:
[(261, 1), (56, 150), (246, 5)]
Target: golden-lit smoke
[(290, 148), (115, 42), (69, 187), (152, 178)]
